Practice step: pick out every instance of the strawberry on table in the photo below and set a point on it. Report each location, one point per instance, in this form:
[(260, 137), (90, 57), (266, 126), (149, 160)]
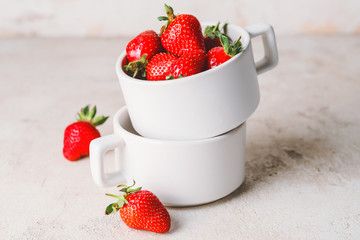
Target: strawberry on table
[(140, 209), (141, 49), (219, 55), (159, 66), (190, 63), (181, 32), (78, 135)]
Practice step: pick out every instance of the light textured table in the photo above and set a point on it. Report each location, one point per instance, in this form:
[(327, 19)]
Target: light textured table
[(303, 146)]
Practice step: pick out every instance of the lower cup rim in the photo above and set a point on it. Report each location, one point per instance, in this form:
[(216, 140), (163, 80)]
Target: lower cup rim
[(124, 110)]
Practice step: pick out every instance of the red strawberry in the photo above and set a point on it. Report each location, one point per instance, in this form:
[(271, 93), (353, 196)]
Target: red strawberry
[(219, 55), (181, 32), (141, 49), (159, 65), (211, 36), (147, 42), (189, 64), (78, 135), (140, 209)]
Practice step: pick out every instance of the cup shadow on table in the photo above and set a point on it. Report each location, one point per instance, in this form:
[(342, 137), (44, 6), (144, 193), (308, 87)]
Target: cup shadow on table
[(280, 154)]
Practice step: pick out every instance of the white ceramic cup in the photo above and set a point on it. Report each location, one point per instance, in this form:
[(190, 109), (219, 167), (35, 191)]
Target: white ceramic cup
[(180, 173), (203, 105)]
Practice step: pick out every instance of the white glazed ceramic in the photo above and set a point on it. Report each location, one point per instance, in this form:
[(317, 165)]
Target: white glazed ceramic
[(202, 105), (180, 173)]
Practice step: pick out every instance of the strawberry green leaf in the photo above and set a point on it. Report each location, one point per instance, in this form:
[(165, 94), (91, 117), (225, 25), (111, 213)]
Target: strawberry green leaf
[(79, 117), (122, 202), (92, 113), (225, 42), (211, 35), (112, 208), (132, 184), (121, 198), (134, 190), (143, 57), (214, 31), (109, 209), (87, 115), (85, 110), (138, 66), (169, 12), (235, 48), (211, 30), (231, 49), (112, 195), (224, 29), (163, 18), (99, 120)]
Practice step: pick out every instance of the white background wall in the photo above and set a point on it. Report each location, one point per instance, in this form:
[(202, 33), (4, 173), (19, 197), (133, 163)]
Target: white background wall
[(109, 18)]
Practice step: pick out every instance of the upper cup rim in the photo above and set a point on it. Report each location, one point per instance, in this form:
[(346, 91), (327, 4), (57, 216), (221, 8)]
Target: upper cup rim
[(123, 110), (245, 41)]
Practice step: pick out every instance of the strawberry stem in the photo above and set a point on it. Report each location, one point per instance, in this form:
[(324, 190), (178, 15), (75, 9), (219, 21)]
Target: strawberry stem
[(169, 12), (170, 17), (114, 207)]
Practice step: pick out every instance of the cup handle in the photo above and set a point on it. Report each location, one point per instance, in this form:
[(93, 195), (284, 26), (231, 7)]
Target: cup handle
[(270, 59), (98, 147)]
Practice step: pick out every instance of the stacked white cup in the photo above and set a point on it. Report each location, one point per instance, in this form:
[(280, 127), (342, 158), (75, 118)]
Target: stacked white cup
[(184, 139)]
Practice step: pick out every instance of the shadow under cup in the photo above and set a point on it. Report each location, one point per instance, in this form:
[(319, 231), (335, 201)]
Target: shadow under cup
[(180, 173)]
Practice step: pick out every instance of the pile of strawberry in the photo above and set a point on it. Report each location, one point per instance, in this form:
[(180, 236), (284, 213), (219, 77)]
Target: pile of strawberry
[(180, 50)]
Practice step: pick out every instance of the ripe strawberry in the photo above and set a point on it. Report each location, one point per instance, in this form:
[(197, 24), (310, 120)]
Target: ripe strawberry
[(141, 49), (190, 63), (78, 135), (181, 32), (159, 65), (212, 34), (146, 42), (140, 209), (219, 55)]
